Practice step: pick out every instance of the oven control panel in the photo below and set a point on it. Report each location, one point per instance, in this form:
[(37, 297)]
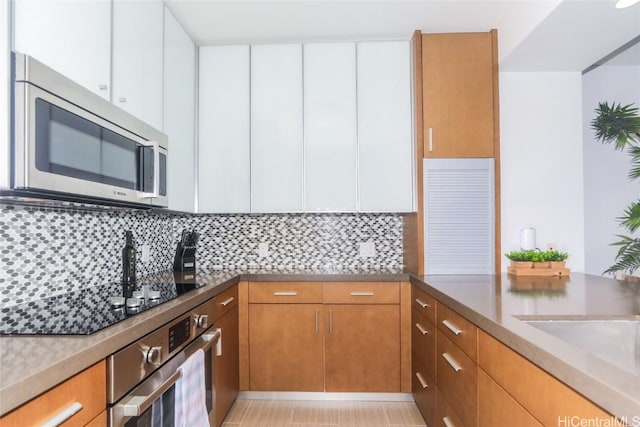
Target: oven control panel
[(179, 333)]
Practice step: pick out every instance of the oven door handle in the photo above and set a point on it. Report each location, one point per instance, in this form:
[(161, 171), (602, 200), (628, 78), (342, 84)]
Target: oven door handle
[(134, 406)]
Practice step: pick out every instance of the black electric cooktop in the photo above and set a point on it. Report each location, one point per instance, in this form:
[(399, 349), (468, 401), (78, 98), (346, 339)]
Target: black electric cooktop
[(88, 310)]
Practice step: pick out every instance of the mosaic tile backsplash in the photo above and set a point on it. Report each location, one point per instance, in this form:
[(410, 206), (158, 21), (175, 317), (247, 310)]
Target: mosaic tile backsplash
[(49, 251)]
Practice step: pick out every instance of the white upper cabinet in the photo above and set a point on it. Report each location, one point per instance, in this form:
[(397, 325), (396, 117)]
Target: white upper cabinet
[(4, 98), (137, 58), (179, 113), (276, 128), (330, 131), (72, 37), (224, 155), (384, 127)]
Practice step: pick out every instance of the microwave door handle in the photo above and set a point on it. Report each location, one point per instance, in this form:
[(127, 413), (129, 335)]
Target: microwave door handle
[(156, 172)]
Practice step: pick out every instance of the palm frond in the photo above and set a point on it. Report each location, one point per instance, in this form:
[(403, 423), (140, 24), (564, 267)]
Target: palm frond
[(616, 123), (628, 257), (631, 217), (634, 172)]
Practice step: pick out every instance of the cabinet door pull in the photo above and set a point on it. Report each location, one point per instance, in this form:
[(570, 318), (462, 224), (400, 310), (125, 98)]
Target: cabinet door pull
[(447, 422), (330, 322), (421, 380), (63, 415), (285, 293), (453, 328), (452, 362), (422, 303), (422, 330), (430, 139), (317, 322), (227, 301), (361, 294)]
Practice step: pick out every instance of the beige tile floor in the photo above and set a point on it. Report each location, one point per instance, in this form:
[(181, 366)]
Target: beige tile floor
[(303, 413)]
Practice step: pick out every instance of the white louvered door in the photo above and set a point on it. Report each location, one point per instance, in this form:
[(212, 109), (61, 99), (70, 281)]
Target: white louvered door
[(459, 216)]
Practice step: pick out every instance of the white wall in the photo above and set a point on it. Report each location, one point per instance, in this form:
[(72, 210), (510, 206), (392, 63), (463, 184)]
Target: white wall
[(4, 93), (607, 189), (541, 161)]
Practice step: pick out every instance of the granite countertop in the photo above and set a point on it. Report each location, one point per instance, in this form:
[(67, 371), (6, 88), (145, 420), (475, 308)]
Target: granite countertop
[(31, 364), (497, 304)]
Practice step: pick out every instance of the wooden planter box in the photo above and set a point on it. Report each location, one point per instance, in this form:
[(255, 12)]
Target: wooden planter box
[(562, 271)]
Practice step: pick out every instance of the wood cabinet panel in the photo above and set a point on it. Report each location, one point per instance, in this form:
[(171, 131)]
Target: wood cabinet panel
[(458, 94), (226, 368), (496, 407), (226, 301), (286, 347), (361, 292), (424, 303), (523, 380), (424, 393), (459, 330), (447, 416), (362, 348), (89, 388), (99, 421), (457, 379), (424, 342), (285, 292)]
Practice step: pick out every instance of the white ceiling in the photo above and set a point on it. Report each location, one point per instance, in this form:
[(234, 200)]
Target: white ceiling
[(534, 35)]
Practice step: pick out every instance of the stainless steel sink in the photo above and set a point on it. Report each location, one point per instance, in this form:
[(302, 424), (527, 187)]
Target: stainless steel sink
[(614, 339)]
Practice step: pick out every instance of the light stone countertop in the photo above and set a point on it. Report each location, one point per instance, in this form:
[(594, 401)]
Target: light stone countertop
[(493, 302), (30, 365)]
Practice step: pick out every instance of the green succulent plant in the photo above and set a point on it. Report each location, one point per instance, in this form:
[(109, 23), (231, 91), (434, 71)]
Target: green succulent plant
[(621, 124)]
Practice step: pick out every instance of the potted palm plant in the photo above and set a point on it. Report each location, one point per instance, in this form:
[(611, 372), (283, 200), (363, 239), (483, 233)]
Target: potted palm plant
[(621, 124)]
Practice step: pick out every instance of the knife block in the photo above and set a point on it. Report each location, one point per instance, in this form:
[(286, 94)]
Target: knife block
[(185, 259)]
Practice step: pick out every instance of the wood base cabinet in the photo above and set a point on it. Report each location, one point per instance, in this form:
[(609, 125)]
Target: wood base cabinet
[(226, 369), (362, 348)]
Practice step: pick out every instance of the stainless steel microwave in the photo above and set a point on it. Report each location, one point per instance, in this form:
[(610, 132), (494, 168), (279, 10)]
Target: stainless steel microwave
[(68, 143)]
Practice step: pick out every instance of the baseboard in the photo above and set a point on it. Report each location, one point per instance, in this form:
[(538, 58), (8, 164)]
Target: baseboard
[(304, 395)]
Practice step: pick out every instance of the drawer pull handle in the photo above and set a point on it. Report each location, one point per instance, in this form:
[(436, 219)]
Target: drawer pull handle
[(317, 322), (285, 293), (431, 142), (453, 328), (227, 301), (422, 330), (330, 322), (421, 380), (447, 422), (452, 362), (422, 303), (361, 294), (63, 415)]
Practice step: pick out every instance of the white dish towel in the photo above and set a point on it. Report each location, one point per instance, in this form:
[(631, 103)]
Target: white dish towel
[(190, 396)]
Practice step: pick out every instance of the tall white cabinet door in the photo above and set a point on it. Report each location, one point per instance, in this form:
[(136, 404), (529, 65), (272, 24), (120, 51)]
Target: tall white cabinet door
[(179, 113), (276, 128), (4, 97), (72, 37), (384, 127), (224, 154), (137, 58), (330, 132)]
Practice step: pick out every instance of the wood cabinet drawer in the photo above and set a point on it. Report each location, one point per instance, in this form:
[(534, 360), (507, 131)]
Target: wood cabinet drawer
[(523, 380), (225, 302), (458, 329), (447, 416), (87, 388), (423, 387), (362, 292), (495, 406), (457, 379), (285, 292), (424, 303), (423, 335)]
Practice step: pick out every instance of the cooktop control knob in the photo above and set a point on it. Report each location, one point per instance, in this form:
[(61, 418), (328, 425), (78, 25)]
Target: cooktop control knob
[(153, 355), (202, 321)]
